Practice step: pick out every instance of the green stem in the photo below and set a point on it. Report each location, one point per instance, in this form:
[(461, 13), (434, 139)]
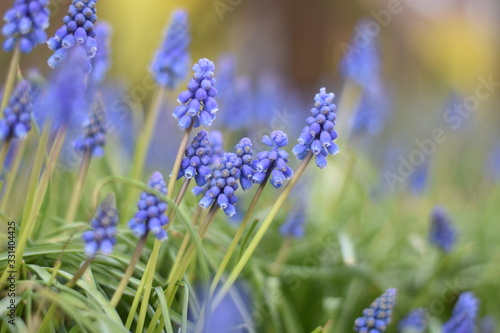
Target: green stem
[(80, 182), (11, 78), (11, 176), (3, 153), (260, 232), (80, 272), (178, 160), (282, 255), (128, 273)]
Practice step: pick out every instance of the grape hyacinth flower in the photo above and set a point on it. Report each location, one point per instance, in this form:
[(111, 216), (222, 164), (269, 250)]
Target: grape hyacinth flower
[(442, 232), (78, 29), (25, 23), (463, 316), (244, 151), (274, 161), (171, 63), (103, 236), (319, 133), (414, 322), (223, 184), (198, 106), (101, 61), (376, 317), (16, 122), (94, 132), (197, 161), (294, 225), (151, 215)]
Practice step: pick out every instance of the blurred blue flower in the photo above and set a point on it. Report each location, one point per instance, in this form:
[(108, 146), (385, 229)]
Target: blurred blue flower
[(197, 161), (217, 146), (244, 151), (171, 63), (371, 113), (274, 161), (78, 30), (463, 317), (294, 225), (94, 132), (197, 102), (493, 162), (25, 23), (487, 324), (414, 322), (442, 232), (419, 178), (151, 211), (16, 122), (103, 236), (102, 59), (319, 133), (377, 317)]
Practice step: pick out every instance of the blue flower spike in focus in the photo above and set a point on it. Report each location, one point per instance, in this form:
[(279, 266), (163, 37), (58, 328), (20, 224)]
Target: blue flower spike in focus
[(414, 322), (78, 29), (319, 133), (16, 121), (377, 317), (102, 237), (463, 317), (442, 232), (171, 63), (244, 151), (197, 161), (275, 160), (150, 216), (25, 25), (94, 132), (198, 106)]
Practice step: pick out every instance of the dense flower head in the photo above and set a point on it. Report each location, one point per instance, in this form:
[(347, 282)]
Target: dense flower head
[(442, 232), (223, 184), (16, 122), (463, 316), (197, 161), (274, 161), (377, 317), (319, 133), (94, 132), (102, 237), (198, 106), (244, 151), (102, 59), (151, 214), (294, 224), (171, 63), (414, 322), (25, 23), (78, 29)]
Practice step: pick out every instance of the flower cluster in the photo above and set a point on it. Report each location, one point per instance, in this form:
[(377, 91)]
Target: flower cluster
[(442, 232), (197, 161), (25, 23), (414, 322), (273, 161), (376, 317), (94, 132), (16, 122), (223, 185), (244, 151), (151, 215), (319, 133), (198, 105), (78, 29), (103, 236), (101, 61), (463, 317), (171, 63)]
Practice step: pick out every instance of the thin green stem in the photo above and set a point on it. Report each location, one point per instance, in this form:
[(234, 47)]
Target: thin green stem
[(260, 232), (178, 160), (80, 272), (282, 255), (80, 182), (11, 78), (3, 152), (11, 176)]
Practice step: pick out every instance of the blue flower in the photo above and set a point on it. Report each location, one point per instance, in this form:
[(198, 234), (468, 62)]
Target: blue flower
[(78, 29), (171, 64), (197, 161), (377, 317), (442, 232), (16, 122), (103, 236), (319, 133), (371, 113), (25, 23), (197, 102), (151, 211), (463, 317), (294, 225), (223, 184), (94, 132), (414, 322), (419, 177), (274, 161), (244, 151), (102, 59), (217, 146)]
